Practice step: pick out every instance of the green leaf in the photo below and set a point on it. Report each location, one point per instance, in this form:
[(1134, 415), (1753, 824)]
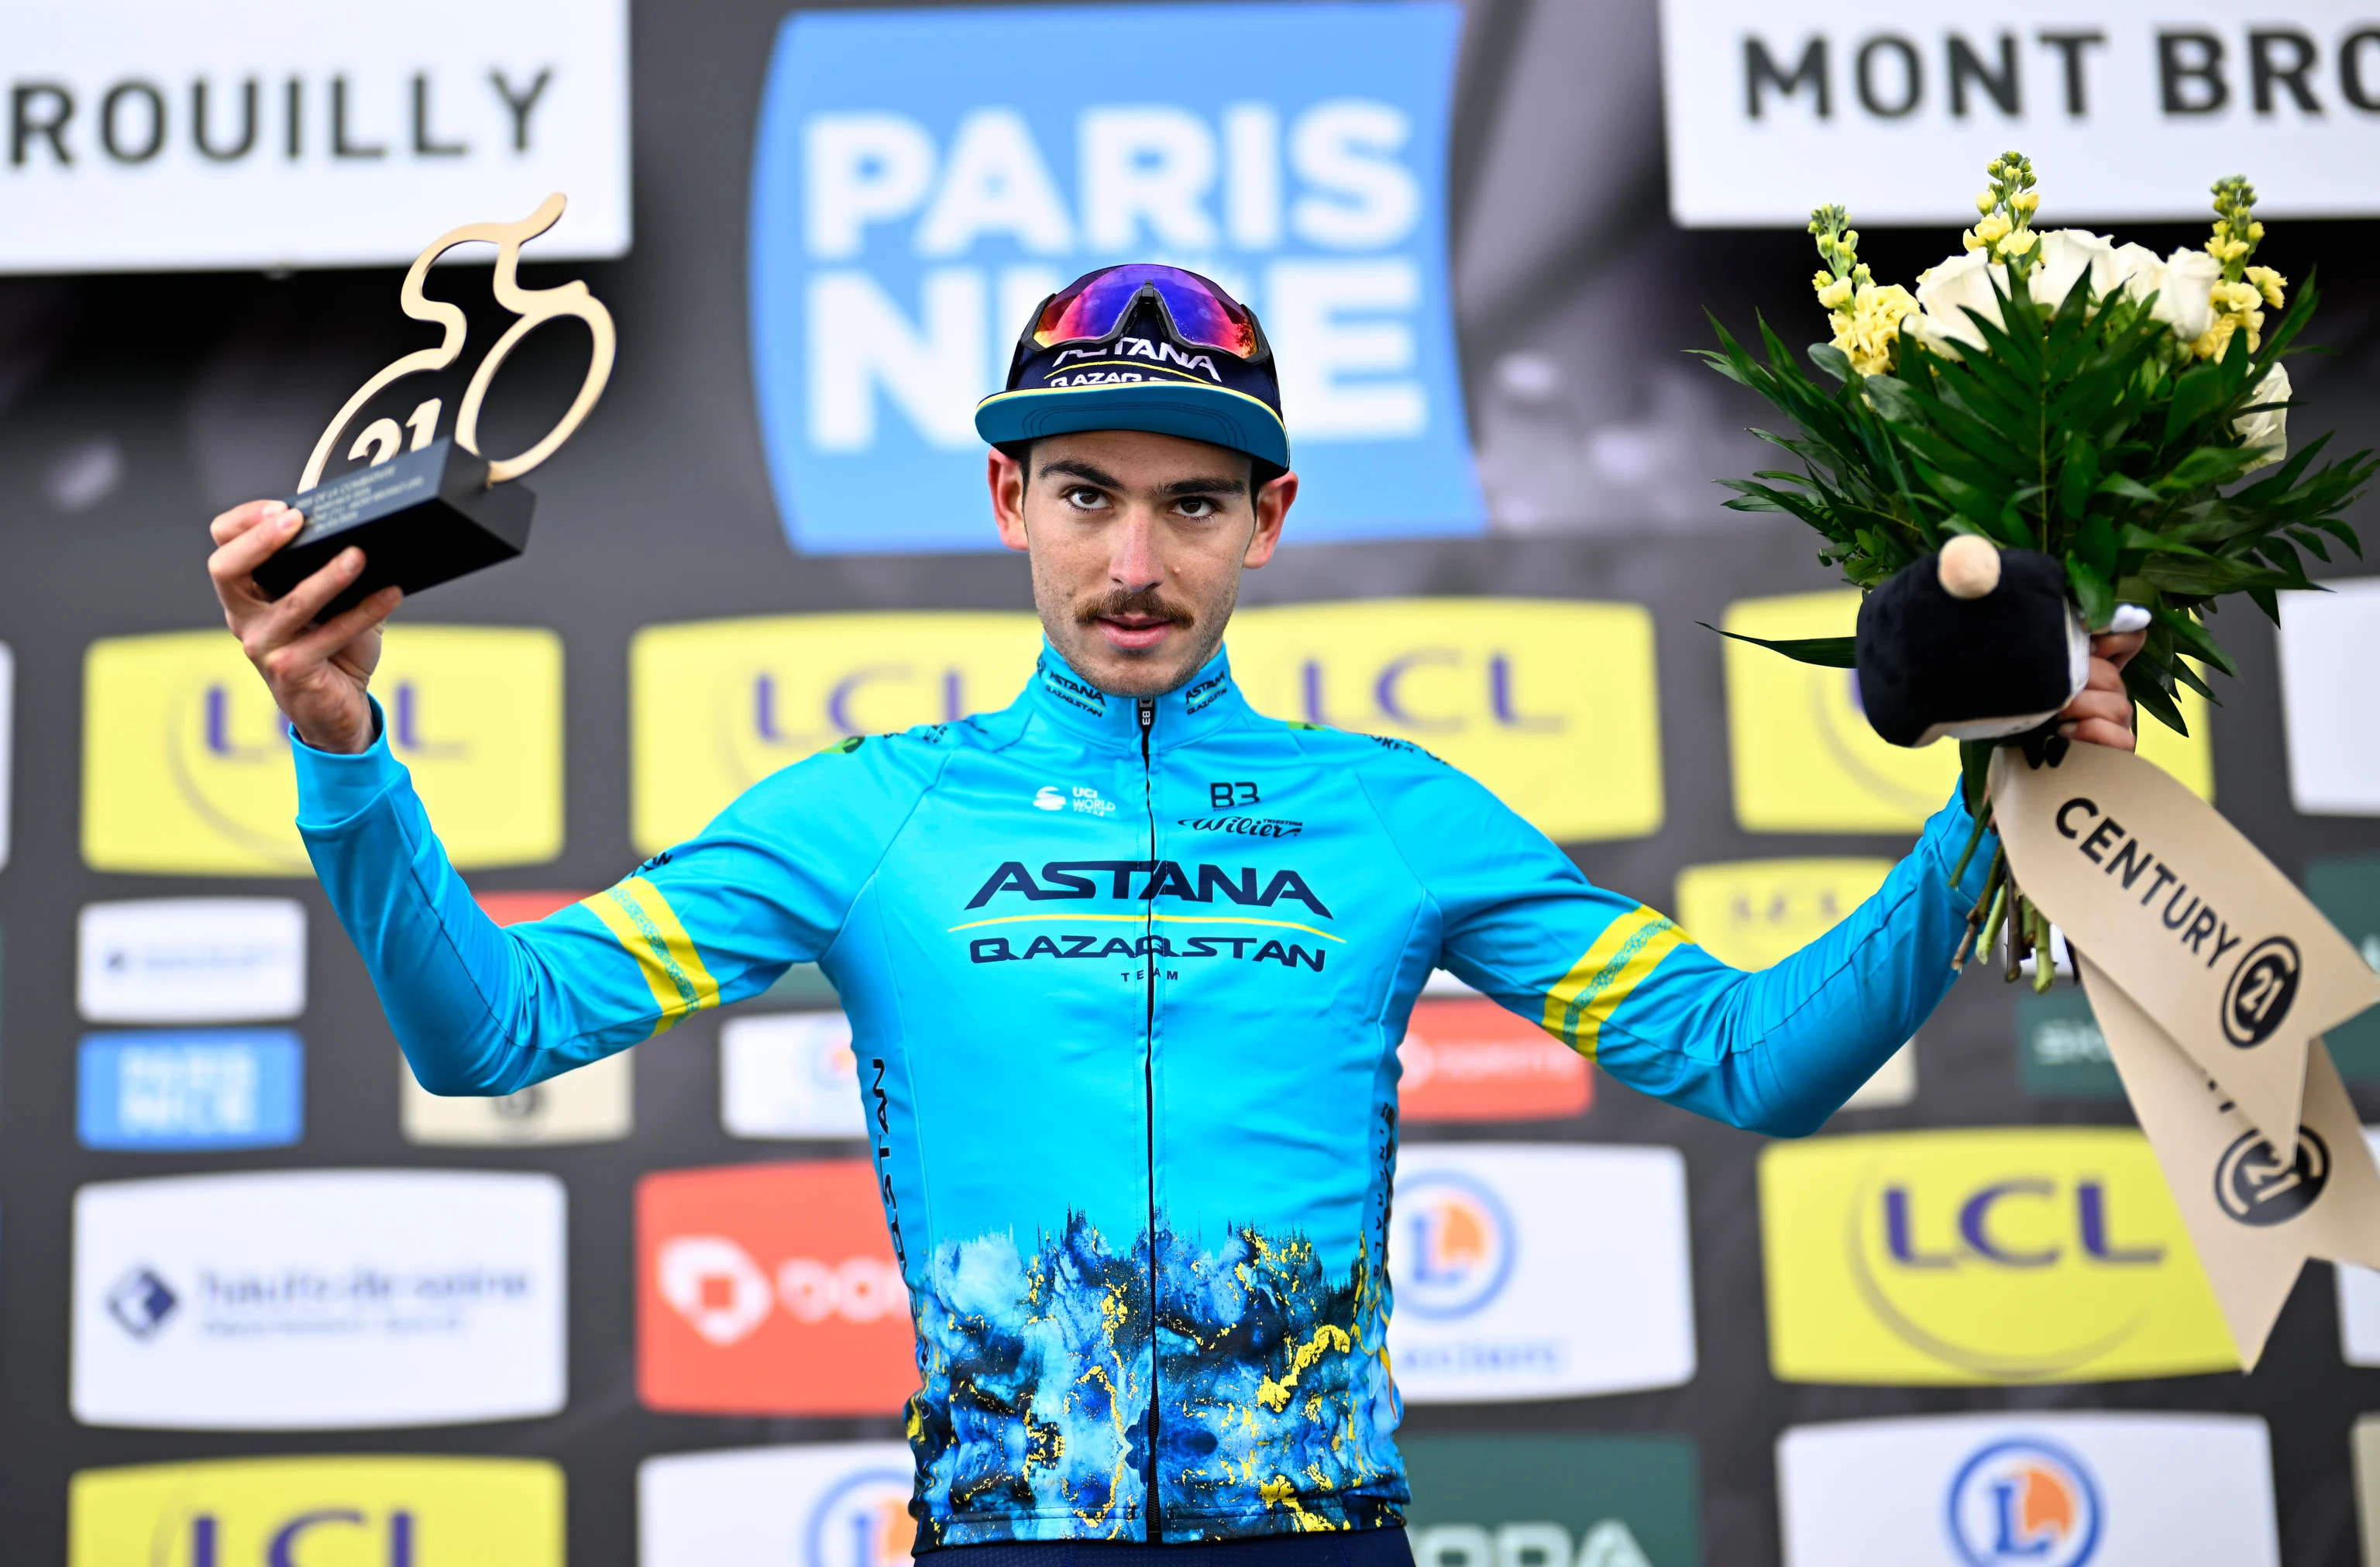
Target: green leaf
[(2098, 599), (1828, 652)]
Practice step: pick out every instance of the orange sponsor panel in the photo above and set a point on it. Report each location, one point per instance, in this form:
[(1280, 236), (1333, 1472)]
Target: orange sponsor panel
[(1468, 1059), (770, 1289), (519, 908)]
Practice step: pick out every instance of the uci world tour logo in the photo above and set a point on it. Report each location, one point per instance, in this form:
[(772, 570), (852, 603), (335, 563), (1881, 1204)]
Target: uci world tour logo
[(863, 1521), (2026, 1501), (1458, 1245)]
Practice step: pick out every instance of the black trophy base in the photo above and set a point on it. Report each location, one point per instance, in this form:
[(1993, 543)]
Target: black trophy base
[(422, 519)]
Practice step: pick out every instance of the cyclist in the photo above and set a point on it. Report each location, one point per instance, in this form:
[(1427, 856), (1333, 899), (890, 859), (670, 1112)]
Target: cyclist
[(1129, 1064)]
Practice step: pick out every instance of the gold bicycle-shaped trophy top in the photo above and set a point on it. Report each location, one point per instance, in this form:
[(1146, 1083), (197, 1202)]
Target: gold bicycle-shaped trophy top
[(433, 509)]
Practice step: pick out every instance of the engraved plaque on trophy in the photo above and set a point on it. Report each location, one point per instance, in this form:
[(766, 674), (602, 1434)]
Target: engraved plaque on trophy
[(430, 509)]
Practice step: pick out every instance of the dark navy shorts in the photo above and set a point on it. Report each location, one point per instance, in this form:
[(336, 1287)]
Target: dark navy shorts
[(1337, 1547)]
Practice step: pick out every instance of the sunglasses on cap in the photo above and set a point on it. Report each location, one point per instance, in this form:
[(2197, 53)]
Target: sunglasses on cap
[(1094, 308)]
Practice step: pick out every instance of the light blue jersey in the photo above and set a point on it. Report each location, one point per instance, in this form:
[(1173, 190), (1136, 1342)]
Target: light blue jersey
[(1126, 980)]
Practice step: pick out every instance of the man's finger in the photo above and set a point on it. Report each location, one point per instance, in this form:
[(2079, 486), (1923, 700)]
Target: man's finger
[(345, 627), (2099, 731), (287, 618), (241, 518), (2117, 650), (237, 557), (2110, 705)]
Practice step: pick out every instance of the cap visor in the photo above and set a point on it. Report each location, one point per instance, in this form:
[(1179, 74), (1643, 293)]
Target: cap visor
[(1213, 414)]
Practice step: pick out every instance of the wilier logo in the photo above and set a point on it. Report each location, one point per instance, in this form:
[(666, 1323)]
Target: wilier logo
[(2263, 987), (2254, 1187)]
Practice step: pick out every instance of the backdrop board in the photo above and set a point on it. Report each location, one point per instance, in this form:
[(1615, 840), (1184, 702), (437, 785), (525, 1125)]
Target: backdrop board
[(647, 1312), (273, 133), (1890, 111)]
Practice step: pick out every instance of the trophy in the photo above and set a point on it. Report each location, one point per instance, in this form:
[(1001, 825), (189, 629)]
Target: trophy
[(432, 508)]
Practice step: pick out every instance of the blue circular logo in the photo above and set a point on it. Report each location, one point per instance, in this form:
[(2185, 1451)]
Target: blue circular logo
[(2024, 1501), (1457, 1245), (863, 1521)]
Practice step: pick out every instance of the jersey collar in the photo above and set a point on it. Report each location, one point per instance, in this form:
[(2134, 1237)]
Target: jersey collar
[(1206, 703)]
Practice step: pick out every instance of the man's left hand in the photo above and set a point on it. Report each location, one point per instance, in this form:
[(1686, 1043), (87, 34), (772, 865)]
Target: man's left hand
[(2102, 711)]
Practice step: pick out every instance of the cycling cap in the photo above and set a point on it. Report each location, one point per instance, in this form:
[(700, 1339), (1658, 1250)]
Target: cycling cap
[(1142, 347)]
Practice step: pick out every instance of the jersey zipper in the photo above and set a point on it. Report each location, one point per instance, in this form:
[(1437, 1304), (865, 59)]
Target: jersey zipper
[(1148, 1091)]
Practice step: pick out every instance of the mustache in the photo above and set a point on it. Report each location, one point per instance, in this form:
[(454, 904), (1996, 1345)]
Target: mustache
[(1146, 605)]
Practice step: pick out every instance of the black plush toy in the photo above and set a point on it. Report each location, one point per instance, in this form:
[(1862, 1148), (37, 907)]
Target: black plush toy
[(1975, 643)]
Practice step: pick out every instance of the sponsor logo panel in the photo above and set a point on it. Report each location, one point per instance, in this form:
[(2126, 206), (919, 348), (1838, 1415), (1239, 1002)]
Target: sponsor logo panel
[(1469, 1060), (2365, 1441), (594, 1103), (770, 1289), (317, 1300), (191, 960), (823, 1504), (716, 705), (2347, 889), (2359, 1298), (2050, 1489), (2061, 1053), (1553, 1500), (182, 1090), (1804, 759), (789, 1074), (186, 761), (921, 181), (1756, 913), (1527, 1271), (2328, 642), (1766, 103), (2027, 1255), (1491, 685), (392, 1512), (286, 135), (8, 736)]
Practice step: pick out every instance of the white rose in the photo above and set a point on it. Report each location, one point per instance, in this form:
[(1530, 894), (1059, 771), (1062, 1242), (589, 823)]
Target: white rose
[(2140, 269), (2185, 291), (1946, 293), (2065, 253), (2267, 427)]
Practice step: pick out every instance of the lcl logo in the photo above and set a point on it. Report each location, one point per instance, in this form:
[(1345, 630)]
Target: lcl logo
[(389, 1534), (1424, 691), (864, 701), (1983, 1240)]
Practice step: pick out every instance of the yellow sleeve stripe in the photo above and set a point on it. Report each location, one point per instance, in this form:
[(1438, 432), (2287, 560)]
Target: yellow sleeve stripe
[(1630, 949), (643, 922)]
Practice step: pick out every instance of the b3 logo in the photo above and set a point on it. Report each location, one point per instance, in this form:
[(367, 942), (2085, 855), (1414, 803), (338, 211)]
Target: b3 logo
[(1223, 797)]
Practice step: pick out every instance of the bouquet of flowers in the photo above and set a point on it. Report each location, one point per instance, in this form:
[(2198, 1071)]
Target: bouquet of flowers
[(2057, 393)]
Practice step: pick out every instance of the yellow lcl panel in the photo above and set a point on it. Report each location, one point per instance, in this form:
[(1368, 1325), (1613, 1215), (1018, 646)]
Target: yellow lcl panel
[(186, 770), (716, 705), (1804, 759), (342, 1512), (1552, 704)]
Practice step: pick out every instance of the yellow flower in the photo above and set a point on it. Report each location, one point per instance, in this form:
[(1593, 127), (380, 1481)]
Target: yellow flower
[(1834, 294), (2270, 284), (2026, 201), (1991, 229), (1818, 281), (1987, 201), (2020, 242), (1870, 331)]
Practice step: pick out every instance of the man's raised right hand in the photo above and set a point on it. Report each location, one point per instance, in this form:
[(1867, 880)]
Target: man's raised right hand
[(318, 673)]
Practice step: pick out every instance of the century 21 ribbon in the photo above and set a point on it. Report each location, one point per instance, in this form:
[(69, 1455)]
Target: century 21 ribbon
[(2213, 979)]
